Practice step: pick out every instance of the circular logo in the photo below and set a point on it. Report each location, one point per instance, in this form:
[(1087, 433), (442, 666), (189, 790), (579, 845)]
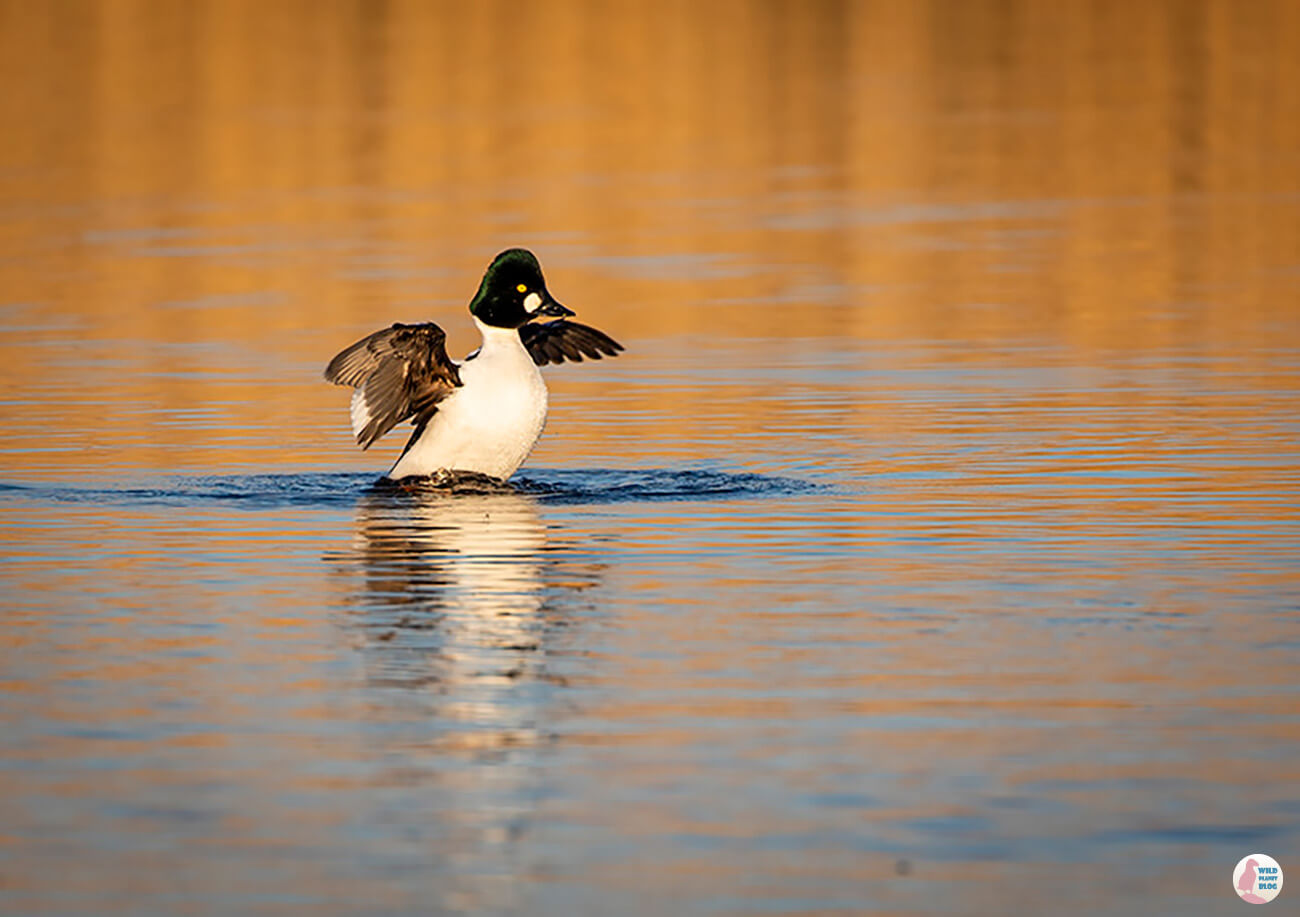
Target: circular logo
[(1257, 878)]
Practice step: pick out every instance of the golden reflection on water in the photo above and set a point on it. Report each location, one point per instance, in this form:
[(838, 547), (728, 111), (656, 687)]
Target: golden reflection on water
[(219, 193), (1016, 281)]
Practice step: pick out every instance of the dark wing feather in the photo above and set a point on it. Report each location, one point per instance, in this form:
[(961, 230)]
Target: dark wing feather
[(399, 372), (560, 340)]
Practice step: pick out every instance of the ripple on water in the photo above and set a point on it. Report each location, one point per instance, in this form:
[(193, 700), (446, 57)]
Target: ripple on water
[(335, 489)]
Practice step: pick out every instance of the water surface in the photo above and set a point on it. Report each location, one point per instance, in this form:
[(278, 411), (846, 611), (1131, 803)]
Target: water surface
[(931, 550)]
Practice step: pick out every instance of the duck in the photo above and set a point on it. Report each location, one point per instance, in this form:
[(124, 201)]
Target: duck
[(479, 417)]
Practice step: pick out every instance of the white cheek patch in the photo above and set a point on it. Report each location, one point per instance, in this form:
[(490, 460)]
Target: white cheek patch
[(532, 302)]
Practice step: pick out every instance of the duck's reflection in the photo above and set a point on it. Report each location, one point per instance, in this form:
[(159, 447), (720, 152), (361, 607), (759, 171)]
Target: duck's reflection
[(460, 589), (465, 625)]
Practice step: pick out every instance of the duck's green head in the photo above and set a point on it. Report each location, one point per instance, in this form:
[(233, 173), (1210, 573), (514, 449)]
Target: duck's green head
[(513, 292)]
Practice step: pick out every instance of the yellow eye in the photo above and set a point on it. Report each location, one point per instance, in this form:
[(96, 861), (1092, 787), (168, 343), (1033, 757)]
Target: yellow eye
[(522, 288)]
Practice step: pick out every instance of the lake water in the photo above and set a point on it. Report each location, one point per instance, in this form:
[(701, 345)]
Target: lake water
[(932, 549)]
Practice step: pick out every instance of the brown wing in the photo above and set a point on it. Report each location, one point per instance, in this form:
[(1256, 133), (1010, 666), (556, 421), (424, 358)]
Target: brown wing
[(560, 340), (400, 372)]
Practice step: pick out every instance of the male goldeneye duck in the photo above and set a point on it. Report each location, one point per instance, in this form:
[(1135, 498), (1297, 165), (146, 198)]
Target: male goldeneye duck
[(483, 415)]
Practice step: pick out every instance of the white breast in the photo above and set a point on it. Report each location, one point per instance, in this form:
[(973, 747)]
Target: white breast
[(489, 424)]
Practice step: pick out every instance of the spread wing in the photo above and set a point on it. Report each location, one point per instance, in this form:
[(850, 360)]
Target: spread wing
[(554, 342), (400, 372)]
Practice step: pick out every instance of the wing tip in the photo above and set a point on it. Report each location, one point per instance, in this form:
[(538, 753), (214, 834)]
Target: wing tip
[(332, 371)]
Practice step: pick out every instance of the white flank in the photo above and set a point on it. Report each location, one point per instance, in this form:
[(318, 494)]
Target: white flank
[(489, 424), (360, 413)]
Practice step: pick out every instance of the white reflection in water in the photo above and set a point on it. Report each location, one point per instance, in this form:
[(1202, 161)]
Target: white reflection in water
[(464, 605), (457, 595)]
